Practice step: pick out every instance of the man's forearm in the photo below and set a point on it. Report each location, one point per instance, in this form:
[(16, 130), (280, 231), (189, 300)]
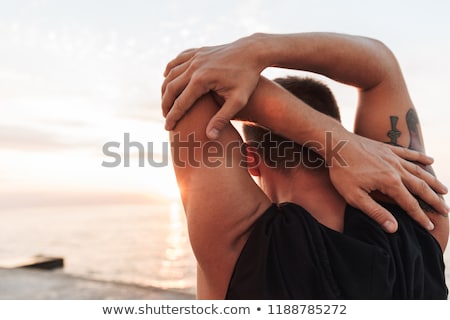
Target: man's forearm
[(354, 60), (358, 61), (275, 108)]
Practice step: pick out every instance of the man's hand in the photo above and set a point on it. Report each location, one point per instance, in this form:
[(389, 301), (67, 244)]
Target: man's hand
[(372, 166), (231, 71)]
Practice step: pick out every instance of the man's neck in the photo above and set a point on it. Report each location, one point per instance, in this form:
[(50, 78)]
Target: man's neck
[(316, 194)]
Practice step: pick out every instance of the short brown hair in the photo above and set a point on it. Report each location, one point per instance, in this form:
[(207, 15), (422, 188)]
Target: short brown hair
[(282, 153)]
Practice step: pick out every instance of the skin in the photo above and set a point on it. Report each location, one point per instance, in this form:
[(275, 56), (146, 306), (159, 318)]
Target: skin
[(231, 71), (222, 202)]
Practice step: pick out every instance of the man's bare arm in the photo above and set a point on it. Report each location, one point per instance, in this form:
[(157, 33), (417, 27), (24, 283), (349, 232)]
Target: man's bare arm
[(220, 199), (386, 113)]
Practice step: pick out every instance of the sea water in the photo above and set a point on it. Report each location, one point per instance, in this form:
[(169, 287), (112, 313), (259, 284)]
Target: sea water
[(146, 245)]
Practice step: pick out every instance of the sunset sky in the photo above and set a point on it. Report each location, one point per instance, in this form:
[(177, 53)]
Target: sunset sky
[(75, 75)]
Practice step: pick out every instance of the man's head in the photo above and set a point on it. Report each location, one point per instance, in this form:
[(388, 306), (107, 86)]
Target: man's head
[(283, 154)]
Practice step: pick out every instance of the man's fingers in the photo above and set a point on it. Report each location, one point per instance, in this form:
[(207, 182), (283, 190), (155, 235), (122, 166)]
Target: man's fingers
[(174, 73), (171, 92), (422, 190), (426, 176), (425, 193), (183, 103), (375, 211), (412, 155), (181, 58), (223, 117), (407, 202)]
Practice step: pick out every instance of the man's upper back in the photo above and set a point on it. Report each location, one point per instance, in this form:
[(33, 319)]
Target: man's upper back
[(289, 255)]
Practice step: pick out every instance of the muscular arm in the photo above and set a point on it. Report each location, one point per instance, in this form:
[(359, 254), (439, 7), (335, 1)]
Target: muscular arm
[(385, 111), (220, 199)]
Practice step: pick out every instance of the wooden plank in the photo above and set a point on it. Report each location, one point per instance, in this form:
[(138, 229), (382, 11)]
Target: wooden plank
[(38, 262)]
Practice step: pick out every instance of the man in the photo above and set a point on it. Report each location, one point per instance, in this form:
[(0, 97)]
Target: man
[(297, 235)]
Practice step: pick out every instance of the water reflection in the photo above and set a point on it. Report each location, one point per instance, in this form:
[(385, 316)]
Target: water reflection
[(177, 253)]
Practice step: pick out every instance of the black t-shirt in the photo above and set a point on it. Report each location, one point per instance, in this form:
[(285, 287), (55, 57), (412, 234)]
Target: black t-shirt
[(290, 255)]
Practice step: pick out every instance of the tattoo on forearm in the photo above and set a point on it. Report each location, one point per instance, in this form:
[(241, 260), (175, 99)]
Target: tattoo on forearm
[(394, 133), (412, 121), (415, 143)]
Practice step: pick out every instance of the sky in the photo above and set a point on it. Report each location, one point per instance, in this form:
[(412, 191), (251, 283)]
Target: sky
[(76, 75)]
